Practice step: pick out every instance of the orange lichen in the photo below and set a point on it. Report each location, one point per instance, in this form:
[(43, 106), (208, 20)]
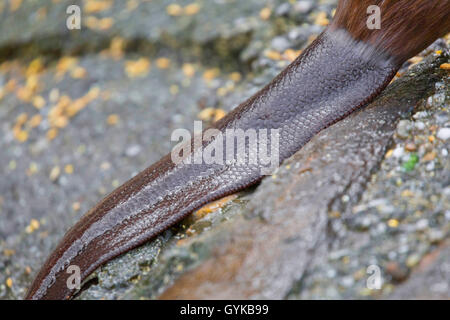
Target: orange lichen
[(213, 206), (191, 9), (162, 63), (78, 73), (188, 70), (14, 5), (174, 10), (137, 68), (211, 74), (235, 76), (321, 19), (94, 6), (265, 13), (38, 102), (112, 119), (211, 114), (273, 55), (68, 168)]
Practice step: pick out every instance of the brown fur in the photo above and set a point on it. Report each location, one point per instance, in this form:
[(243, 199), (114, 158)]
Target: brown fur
[(407, 26)]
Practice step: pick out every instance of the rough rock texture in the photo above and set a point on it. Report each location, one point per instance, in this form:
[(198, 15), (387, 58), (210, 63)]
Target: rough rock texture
[(370, 190)]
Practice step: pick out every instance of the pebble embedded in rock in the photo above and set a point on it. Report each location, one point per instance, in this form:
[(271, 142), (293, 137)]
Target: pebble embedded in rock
[(403, 129), (133, 150), (443, 133)]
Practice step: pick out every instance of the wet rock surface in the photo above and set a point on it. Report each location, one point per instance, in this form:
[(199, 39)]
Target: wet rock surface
[(83, 111)]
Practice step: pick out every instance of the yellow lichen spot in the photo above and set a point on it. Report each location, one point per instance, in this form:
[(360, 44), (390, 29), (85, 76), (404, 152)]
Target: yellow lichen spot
[(93, 93), (206, 114), (445, 66), (54, 173), (91, 22), (21, 135), (333, 12), (9, 252), (21, 119), (431, 139), (78, 73), (32, 169), (213, 206), (321, 19), (11, 85), (12, 165), (94, 6), (38, 102), (54, 113), (219, 114), (415, 60), (211, 114), (105, 23), (112, 119), (76, 206), (14, 5), (32, 82), (265, 13), (311, 38), (389, 153), (63, 102), (9, 283), (54, 95), (192, 9), (34, 67), (132, 4), (174, 89), (407, 193), (35, 120), (162, 63), (291, 54), (174, 9), (438, 52), (210, 74), (52, 133), (393, 223), (334, 214), (222, 91), (60, 122), (68, 168), (33, 226), (137, 68), (273, 55), (75, 107), (179, 267), (235, 76), (24, 94), (188, 70), (116, 47)]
